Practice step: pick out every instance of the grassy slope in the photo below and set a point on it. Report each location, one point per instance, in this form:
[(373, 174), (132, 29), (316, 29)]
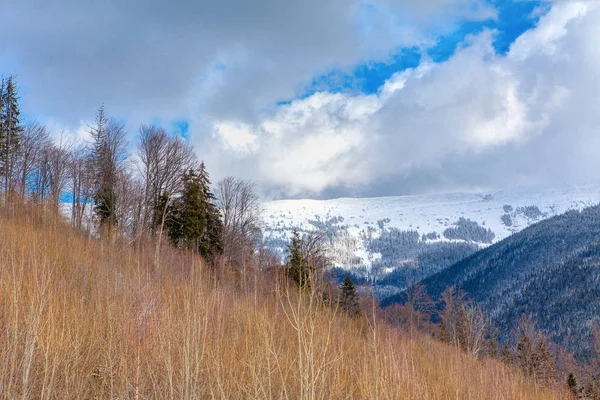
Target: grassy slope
[(86, 319)]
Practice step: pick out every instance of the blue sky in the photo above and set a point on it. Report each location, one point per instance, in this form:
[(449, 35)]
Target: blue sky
[(324, 99), (513, 18)]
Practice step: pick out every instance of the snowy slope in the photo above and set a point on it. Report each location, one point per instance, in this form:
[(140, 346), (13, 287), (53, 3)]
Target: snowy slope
[(504, 212)]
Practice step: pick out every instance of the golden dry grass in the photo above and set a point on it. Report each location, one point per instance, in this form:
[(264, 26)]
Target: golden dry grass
[(85, 319)]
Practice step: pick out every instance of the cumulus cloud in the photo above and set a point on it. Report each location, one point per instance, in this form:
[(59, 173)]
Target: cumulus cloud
[(476, 121), (227, 58)]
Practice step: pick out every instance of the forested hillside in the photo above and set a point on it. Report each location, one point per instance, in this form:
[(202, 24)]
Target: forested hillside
[(393, 242), (550, 272)]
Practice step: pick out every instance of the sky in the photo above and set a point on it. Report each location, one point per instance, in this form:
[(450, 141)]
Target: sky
[(323, 99)]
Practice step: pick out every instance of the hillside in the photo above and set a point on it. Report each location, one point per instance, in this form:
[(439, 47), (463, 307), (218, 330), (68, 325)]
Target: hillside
[(395, 241), (550, 271), (83, 318)]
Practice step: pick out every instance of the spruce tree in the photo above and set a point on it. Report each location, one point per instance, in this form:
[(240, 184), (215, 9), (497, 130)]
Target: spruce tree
[(104, 172), (572, 383), (214, 224), (297, 267), (189, 214), (11, 130), (349, 298), (195, 222), (2, 121)]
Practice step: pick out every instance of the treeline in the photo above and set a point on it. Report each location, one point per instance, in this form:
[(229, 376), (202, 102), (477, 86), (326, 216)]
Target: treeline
[(159, 189), (458, 321)]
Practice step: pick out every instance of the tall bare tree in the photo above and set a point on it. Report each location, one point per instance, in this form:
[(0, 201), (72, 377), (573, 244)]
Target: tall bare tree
[(164, 159), (34, 141), (82, 184), (240, 207), (58, 163)]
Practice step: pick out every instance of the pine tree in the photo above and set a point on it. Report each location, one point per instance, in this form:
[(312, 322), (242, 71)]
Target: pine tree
[(105, 201), (188, 222), (2, 122), (10, 130), (572, 383), (297, 267), (214, 224), (194, 221), (349, 298)]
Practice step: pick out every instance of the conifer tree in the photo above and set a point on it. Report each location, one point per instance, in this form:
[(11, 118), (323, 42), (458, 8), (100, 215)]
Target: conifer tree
[(349, 298), (188, 221), (10, 130), (297, 267), (107, 156), (195, 221), (214, 224), (572, 383)]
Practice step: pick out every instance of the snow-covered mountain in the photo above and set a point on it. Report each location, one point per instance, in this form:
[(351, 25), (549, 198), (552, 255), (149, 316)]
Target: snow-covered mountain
[(380, 235)]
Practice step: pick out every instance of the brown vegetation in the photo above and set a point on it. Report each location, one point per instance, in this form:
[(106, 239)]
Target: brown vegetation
[(85, 319)]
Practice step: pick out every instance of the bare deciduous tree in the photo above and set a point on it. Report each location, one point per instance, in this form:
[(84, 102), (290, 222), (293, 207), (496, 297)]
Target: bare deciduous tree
[(164, 159), (240, 207), (34, 140), (82, 183), (464, 323), (58, 159)]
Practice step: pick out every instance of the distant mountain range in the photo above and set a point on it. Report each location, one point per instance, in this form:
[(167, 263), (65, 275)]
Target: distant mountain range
[(549, 272), (395, 241)]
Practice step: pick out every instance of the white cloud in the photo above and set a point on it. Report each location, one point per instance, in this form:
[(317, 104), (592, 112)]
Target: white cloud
[(476, 120)]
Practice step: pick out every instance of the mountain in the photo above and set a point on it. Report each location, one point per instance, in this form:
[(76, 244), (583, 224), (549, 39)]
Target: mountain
[(549, 271), (395, 241)]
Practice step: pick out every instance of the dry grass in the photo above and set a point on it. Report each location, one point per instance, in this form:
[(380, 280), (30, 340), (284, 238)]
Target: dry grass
[(87, 319)]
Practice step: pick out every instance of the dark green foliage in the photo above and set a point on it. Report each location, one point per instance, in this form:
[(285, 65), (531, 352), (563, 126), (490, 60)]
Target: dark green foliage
[(194, 221), (546, 271), (507, 220), (410, 257), (572, 383), (470, 231), (349, 298), (214, 224), (105, 159), (11, 129), (531, 212), (298, 268)]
